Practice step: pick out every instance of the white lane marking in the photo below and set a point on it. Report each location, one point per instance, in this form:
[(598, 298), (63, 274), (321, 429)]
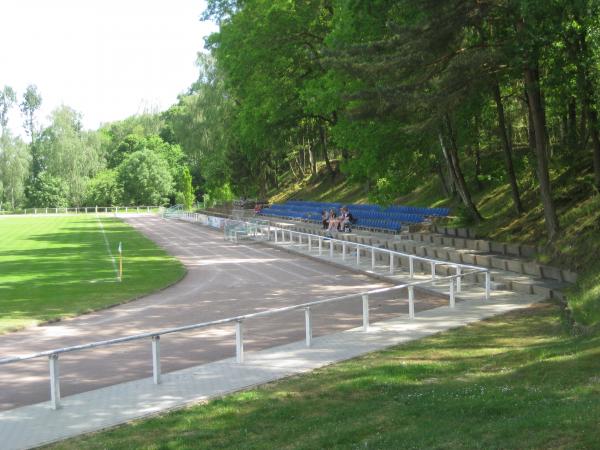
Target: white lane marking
[(114, 262)]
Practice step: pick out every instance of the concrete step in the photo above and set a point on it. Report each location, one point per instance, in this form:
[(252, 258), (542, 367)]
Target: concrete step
[(507, 272)]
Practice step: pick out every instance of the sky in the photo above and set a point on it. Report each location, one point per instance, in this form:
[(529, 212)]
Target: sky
[(107, 59)]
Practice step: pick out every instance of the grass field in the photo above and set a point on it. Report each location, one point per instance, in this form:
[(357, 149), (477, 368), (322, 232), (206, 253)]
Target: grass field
[(54, 267), (515, 381)]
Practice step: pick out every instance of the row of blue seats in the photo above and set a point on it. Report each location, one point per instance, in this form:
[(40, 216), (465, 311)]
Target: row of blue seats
[(383, 222), (442, 212)]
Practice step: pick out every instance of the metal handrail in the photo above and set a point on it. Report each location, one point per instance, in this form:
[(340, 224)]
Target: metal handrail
[(53, 355), (269, 312), (371, 247)]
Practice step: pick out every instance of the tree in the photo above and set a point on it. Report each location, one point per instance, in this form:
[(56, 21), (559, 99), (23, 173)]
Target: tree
[(7, 100), (104, 189), (14, 169), (68, 152), (48, 191), (145, 178), (32, 100), (188, 190)]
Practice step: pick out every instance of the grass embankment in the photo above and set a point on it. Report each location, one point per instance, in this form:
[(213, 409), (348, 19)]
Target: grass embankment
[(55, 267), (515, 381)]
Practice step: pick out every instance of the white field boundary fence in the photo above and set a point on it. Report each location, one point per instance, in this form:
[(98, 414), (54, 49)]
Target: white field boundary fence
[(87, 210)]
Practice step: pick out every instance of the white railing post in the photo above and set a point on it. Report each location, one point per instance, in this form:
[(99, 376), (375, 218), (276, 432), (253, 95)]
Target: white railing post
[(331, 248), (432, 270), (239, 342), (411, 266), (451, 293), (308, 323), (54, 381), (391, 263), (372, 258), (309, 243), (358, 255), (458, 279), (487, 285), (291, 239), (320, 245), (411, 302), (276, 235), (365, 312), (156, 359), (344, 251)]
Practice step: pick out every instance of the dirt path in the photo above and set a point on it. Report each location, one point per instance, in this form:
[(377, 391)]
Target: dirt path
[(223, 280)]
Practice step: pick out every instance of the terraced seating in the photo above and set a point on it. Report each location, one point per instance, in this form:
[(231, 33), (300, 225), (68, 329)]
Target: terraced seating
[(368, 216)]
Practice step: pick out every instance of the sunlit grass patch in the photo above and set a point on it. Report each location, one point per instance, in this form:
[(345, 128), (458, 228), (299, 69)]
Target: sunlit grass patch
[(54, 267), (515, 381)]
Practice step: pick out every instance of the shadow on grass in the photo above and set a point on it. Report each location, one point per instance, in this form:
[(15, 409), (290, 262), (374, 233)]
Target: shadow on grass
[(544, 394)]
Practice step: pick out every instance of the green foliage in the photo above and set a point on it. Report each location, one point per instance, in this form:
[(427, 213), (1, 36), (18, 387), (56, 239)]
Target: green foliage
[(145, 178), (14, 170), (104, 189), (67, 152), (188, 190), (48, 191)]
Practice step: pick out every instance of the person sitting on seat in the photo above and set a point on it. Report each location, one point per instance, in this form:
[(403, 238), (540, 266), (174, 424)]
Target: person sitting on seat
[(346, 220), (325, 219), (333, 223)]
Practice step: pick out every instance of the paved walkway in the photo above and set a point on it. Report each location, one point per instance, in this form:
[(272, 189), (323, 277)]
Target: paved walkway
[(37, 424)]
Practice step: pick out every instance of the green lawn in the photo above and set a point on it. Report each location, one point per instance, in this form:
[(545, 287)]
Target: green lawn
[(53, 267), (516, 381)]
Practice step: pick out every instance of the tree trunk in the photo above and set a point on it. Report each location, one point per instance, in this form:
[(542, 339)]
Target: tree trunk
[(445, 185), (572, 124), (312, 159), (323, 137), (532, 86), (514, 187), (478, 155), (459, 178), (593, 119)]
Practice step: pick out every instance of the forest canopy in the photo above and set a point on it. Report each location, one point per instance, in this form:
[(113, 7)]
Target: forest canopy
[(385, 93)]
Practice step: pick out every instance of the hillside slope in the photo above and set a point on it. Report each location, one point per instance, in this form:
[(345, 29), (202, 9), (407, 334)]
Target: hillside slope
[(578, 207)]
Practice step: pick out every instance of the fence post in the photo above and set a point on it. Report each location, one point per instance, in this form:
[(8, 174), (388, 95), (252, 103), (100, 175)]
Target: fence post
[(331, 248), (451, 293), (291, 239), (308, 322), (487, 285), (344, 251), (373, 258), (54, 381), (411, 302), (357, 255), (391, 263), (156, 359), (320, 245), (458, 279), (432, 270), (239, 342), (276, 235), (365, 307), (309, 243), (411, 266)]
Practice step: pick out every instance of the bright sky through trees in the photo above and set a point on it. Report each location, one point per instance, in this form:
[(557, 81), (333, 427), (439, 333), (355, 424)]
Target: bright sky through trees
[(107, 59)]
